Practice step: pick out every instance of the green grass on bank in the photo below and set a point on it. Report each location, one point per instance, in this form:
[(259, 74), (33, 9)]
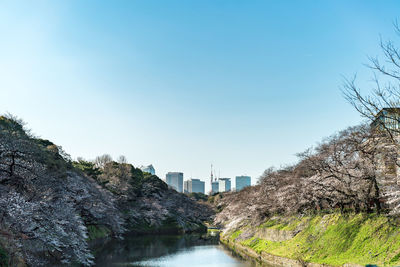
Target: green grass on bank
[(236, 234), (97, 231), (333, 239), (285, 224)]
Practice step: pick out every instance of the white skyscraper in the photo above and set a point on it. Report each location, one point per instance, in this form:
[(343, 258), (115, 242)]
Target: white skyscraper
[(175, 180), (224, 184)]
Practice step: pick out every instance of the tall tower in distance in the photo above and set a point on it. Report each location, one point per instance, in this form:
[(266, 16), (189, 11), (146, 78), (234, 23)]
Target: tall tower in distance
[(214, 182), (211, 178)]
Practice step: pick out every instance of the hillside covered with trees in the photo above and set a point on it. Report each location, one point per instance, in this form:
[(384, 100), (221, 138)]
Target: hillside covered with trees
[(51, 207)]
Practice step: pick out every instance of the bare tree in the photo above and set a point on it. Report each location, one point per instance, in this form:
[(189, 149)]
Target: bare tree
[(384, 96), (385, 92), (20, 157), (101, 161), (122, 159)]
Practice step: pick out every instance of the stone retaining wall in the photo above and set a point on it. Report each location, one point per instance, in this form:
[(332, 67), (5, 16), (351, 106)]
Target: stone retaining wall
[(272, 260)]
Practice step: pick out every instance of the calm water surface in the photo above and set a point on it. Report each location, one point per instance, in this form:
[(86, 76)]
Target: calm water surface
[(187, 250)]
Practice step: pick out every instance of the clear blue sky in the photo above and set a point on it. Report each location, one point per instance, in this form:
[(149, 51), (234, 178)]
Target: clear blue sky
[(181, 84)]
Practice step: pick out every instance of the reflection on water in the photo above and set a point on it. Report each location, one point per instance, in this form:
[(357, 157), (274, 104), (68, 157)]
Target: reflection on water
[(187, 250)]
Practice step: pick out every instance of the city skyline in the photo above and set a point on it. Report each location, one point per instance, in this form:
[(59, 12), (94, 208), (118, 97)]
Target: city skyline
[(180, 85), (233, 182)]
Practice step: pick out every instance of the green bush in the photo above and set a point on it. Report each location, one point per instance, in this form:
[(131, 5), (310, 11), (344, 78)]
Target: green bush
[(87, 167), (97, 231)]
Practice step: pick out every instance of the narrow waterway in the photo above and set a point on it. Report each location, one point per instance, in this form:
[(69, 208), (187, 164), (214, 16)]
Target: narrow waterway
[(166, 250)]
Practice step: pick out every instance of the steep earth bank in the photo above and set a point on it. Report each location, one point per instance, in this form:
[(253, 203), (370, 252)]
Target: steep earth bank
[(51, 207), (332, 239)]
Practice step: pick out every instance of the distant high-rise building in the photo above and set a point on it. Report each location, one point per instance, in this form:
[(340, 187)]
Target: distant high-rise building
[(224, 184), (194, 186), (186, 187), (214, 187), (149, 168), (242, 182), (175, 180)]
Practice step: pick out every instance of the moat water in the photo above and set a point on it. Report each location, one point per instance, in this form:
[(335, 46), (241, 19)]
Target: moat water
[(166, 250)]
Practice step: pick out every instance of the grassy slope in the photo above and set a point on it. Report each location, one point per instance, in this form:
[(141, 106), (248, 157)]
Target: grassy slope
[(333, 239)]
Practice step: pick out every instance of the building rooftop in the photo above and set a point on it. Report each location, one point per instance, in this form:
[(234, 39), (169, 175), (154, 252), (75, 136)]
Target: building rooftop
[(388, 117), (388, 110)]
